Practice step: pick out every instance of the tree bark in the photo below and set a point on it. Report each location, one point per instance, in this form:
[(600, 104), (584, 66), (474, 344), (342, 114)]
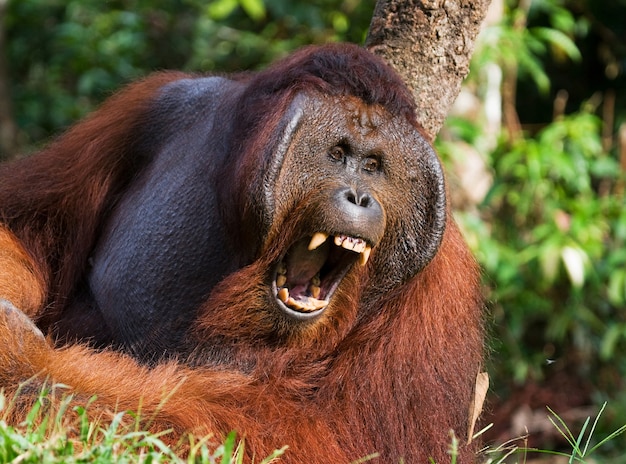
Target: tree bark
[(429, 43), (8, 128)]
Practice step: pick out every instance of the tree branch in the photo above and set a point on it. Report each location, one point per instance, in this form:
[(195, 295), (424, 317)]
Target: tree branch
[(430, 43)]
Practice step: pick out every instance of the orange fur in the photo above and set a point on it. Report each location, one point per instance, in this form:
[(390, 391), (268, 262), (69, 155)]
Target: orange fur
[(389, 372), (281, 402), (20, 280)]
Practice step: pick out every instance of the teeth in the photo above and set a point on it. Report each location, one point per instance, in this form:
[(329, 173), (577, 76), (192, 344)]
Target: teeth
[(365, 255), (312, 303), (314, 288), (282, 269), (308, 305), (317, 240), (281, 274), (315, 291), (283, 295), (355, 244)]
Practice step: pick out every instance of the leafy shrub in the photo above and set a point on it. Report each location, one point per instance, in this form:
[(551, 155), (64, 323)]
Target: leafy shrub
[(553, 246)]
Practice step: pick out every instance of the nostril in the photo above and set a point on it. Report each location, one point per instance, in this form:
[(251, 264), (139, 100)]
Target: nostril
[(357, 211), (364, 200), (351, 197), (357, 198)]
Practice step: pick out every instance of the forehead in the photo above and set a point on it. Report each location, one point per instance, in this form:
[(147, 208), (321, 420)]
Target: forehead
[(350, 116)]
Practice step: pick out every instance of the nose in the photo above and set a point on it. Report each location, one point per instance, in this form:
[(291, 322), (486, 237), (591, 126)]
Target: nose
[(358, 198), (358, 207)]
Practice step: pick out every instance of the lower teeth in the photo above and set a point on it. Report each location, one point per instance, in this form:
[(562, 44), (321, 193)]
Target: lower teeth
[(308, 305), (311, 304), (315, 291), (283, 295)]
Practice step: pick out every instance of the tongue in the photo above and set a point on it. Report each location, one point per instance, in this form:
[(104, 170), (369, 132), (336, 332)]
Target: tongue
[(303, 264)]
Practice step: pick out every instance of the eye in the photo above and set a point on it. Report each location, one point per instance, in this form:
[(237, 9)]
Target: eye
[(337, 153), (371, 164)]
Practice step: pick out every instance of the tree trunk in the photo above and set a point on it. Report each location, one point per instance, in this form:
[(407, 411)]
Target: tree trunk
[(430, 43), (8, 128)]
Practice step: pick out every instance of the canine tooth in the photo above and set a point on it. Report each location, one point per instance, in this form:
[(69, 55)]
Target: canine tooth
[(281, 280), (281, 269), (339, 240), (315, 291), (317, 239), (365, 255), (283, 295)]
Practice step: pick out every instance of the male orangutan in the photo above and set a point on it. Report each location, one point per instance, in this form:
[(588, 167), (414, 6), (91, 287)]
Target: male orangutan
[(270, 251)]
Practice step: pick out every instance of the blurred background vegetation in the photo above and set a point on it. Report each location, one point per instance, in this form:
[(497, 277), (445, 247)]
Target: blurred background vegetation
[(535, 146)]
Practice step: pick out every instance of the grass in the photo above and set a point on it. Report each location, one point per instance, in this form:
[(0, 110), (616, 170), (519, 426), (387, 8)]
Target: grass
[(582, 447), (67, 435)]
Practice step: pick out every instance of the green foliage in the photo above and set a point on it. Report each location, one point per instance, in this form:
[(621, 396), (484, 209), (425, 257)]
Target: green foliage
[(551, 232), (582, 446), (520, 49), (553, 247), (243, 35), (550, 235), (68, 55), (72, 54), (69, 436), (43, 438)]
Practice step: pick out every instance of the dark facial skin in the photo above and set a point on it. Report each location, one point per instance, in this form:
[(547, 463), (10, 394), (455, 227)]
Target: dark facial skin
[(359, 172)]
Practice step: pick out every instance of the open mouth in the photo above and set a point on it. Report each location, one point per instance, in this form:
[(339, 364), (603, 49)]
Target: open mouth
[(310, 272)]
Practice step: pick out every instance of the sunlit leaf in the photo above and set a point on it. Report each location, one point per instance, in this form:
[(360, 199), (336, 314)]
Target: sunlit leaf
[(340, 21), (616, 290), (253, 8), (611, 336), (574, 261), (549, 259), (221, 9), (558, 39)]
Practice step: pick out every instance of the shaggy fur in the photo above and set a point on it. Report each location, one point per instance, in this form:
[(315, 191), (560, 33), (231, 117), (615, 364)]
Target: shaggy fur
[(388, 367)]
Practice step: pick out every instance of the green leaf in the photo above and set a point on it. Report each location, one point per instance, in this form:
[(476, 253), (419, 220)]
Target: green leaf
[(221, 9), (253, 8), (549, 259), (616, 289), (341, 23), (563, 20), (574, 259), (559, 40)]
